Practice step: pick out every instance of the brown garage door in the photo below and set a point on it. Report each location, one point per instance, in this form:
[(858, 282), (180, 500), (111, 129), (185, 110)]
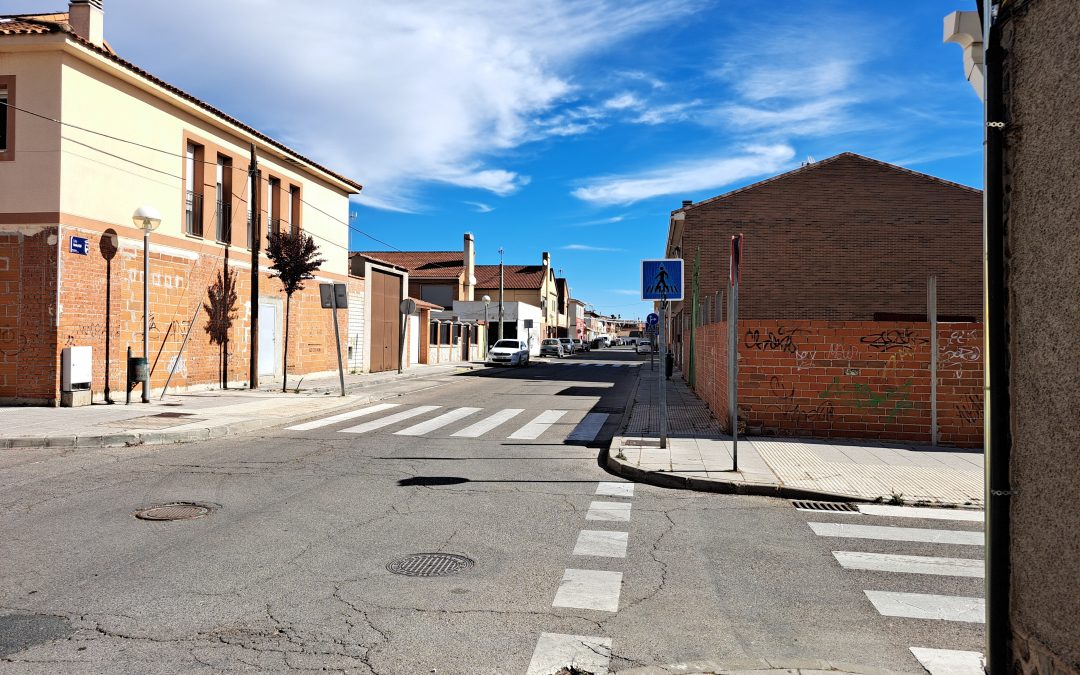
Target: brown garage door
[(385, 321)]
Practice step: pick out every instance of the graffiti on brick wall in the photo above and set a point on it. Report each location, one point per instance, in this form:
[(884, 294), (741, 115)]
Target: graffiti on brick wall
[(895, 338), (790, 409), (782, 340), (890, 400), (962, 346), (839, 352), (897, 358), (18, 346), (804, 360), (971, 409), (87, 333)]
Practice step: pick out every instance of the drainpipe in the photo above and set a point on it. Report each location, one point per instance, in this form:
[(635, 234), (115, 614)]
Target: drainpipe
[(995, 311)]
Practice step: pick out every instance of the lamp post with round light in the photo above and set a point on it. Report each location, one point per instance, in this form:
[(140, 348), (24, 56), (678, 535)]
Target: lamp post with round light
[(147, 219), (487, 325)]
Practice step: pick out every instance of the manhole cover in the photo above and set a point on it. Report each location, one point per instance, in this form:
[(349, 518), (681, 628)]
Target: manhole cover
[(839, 507), (173, 414), (430, 565), (175, 511)]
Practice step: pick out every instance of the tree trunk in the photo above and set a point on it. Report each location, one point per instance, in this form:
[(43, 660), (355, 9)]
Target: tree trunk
[(285, 364)]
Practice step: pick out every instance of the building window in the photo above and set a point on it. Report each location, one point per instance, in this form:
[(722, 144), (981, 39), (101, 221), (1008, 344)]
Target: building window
[(444, 334), (193, 170), (275, 207), (294, 208), (7, 117), (434, 339), (250, 213), (223, 214)]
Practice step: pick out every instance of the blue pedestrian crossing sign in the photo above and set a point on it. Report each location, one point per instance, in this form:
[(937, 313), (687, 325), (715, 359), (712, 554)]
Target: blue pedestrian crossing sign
[(662, 279)]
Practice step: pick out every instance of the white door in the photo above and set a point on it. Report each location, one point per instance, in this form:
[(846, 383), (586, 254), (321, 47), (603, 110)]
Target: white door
[(268, 352), (414, 339)]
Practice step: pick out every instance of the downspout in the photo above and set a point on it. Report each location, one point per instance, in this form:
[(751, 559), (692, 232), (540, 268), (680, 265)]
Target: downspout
[(996, 425)]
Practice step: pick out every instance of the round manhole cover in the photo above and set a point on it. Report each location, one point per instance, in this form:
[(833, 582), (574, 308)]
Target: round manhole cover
[(430, 564), (175, 511)]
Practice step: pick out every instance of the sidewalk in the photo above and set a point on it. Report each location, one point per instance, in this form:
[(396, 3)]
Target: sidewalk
[(201, 415), (699, 457)]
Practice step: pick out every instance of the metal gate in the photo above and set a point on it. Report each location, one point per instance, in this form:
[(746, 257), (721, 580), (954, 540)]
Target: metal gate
[(385, 321)]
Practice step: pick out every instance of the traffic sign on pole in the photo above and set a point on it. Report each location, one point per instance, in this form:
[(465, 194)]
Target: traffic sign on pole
[(662, 279), (652, 319)]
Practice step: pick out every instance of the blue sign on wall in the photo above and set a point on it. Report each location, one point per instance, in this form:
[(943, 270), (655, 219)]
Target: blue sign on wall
[(80, 245), (662, 279)]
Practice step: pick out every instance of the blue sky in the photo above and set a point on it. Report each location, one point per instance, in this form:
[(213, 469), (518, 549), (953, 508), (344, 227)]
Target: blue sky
[(568, 126)]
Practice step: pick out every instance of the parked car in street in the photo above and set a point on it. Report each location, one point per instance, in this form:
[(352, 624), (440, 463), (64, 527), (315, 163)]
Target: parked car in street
[(568, 345), (552, 347), (580, 346), (644, 347), (510, 353), (599, 343)]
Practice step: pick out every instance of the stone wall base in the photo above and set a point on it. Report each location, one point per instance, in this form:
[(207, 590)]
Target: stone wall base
[(1031, 657)]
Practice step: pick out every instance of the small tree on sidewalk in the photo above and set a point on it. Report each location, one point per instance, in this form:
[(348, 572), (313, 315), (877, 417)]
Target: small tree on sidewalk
[(293, 254), (220, 312)]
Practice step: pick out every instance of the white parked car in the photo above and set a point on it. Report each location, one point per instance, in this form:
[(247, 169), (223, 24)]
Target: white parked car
[(644, 347), (510, 353)]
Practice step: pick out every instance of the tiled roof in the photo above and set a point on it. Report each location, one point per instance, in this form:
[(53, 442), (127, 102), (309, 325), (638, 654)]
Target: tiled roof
[(423, 264), (28, 24), (814, 166), (516, 276)]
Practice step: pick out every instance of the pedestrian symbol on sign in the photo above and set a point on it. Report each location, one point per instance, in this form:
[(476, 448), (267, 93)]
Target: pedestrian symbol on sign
[(662, 279)]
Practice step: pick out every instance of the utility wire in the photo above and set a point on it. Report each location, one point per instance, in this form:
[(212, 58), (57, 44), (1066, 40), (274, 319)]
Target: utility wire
[(181, 156)]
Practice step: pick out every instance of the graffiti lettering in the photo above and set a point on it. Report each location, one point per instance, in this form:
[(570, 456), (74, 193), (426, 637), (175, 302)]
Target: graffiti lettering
[(892, 399), (898, 357), (838, 352), (960, 348), (971, 409), (790, 410), (893, 339), (804, 360), (782, 339)]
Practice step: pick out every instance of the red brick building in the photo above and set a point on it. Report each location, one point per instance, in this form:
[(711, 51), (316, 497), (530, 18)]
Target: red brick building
[(834, 338)]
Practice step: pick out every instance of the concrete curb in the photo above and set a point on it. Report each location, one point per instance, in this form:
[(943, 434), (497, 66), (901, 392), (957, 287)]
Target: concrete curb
[(729, 487), (763, 666)]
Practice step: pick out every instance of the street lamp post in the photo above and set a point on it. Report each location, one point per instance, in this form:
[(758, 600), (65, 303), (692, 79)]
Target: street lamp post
[(147, 219), (487, 325)]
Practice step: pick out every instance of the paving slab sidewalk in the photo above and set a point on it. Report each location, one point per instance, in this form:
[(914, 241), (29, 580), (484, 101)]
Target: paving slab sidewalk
[(201, 415), (699, 457)]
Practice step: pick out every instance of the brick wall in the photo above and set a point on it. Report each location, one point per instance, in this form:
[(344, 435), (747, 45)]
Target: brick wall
[(29, 371), (847, 379), (30, 344), (841, 239)]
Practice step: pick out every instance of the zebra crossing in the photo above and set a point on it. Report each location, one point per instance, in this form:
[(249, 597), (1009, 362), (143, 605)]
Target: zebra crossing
[(463, 422), (883, 526), (584, 364)]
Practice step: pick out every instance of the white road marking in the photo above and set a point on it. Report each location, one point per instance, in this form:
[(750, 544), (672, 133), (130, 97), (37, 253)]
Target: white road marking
[(949, 661), (921, 512), (588, 428), (439, 422), (619, 511), (897, 533), (589, 589), (390, 419), (538, 426), (911, 564), (925, 606), (613, 489), (488, 423), (555, 651), (334, 419), (601, 543)]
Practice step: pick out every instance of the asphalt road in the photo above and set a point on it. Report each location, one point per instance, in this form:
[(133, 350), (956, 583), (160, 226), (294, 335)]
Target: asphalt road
[(289, 571)]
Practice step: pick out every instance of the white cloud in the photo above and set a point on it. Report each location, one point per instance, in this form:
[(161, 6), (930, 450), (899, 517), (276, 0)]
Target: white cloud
[(595, 249), (481, 207), (672, 112), (623, 101), (686, 177), (625, 291), (654, 82), (392, 94), (603, 221)]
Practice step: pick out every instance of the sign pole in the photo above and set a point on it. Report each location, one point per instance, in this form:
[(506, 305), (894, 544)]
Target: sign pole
[(662, 339), (337, 343), (734, 273)]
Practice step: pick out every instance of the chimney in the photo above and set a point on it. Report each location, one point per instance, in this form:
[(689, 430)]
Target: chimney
[(687, 202), (87, 19), (546, 259), (469, 259)]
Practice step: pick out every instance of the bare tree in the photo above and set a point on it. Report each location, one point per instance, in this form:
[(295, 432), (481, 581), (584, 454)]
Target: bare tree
[(220, 311), (293, 254)]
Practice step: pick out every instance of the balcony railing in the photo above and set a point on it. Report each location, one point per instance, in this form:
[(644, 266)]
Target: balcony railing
[(223, 218), (193, 217)]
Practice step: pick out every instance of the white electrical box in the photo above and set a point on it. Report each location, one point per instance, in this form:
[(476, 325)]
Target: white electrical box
[(76, 368)]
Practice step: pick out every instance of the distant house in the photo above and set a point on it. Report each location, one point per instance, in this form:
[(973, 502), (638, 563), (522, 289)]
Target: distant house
[(89, 137), (530, 284), (438, 277)]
